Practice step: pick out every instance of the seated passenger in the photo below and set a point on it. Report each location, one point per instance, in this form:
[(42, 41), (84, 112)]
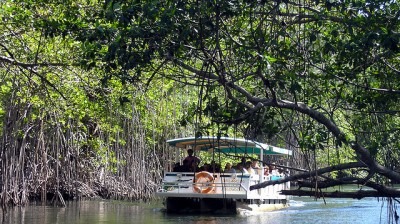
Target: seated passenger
[(176, 167), (273, 170), (205, 167), (241, 169), (229, 169), (215, 167), (256, 167), (243, 161), (266, 171), (185, 166), (194, 167), (249, 169)]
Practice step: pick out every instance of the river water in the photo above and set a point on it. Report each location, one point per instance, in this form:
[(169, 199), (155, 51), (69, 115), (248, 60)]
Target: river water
[(301, 210)]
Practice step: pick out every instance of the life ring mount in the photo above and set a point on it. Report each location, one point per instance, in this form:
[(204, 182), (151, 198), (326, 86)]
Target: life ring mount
[(204, 183)]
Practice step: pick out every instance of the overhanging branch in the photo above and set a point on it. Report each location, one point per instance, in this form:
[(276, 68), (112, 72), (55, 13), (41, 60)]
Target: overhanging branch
[(384, 190), (338, 194), (309, 174)]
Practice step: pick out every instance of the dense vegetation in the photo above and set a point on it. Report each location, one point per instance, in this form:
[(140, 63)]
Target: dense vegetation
[(91, 90), (66, 134)]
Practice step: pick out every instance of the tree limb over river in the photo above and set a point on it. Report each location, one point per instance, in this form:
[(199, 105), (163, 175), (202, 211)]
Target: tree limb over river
[(320, 181)]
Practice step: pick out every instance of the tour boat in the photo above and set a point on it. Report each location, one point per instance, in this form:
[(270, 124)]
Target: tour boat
[(215, 192)]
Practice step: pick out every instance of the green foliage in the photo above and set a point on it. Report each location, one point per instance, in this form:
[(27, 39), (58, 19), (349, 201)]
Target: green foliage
[(205, 65), (320, 60), (69, 63)]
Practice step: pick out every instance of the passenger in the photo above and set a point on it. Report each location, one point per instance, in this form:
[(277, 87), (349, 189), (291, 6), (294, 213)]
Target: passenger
[(218, 168), (194, 167), (205, 167), (185, 166), (272, 170), (229, 169), (243, 161), (255, 166), (248, 168), (235, 167), (241, 168), (215, 167), (266, 171), (176, 167), (190, 158)]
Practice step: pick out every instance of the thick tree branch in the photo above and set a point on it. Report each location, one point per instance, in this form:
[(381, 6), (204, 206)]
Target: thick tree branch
[(309, 174), (337, 194), (351, 180)]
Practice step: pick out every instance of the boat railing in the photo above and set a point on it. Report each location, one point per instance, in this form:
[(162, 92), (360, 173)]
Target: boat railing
[(176, 182), (236, 185)]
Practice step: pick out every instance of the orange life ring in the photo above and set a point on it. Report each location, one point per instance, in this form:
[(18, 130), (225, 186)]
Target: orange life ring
[(204, 182)]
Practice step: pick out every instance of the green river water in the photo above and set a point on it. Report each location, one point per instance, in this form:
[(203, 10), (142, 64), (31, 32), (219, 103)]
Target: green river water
[(301, 210)]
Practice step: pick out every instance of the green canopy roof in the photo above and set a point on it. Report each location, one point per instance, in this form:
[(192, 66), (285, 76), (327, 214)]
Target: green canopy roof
[(227, 145)]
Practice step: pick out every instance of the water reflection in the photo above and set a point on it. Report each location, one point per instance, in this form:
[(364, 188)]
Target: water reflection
[(302, 210)]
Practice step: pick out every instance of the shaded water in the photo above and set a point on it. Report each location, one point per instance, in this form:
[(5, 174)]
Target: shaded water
[(301, 210)]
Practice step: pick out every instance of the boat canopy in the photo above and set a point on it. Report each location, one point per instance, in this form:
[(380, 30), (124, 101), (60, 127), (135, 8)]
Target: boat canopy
[(227, 145)]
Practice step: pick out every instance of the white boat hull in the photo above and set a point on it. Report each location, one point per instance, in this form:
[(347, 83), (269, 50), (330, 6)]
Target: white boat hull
[(230, 194)]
